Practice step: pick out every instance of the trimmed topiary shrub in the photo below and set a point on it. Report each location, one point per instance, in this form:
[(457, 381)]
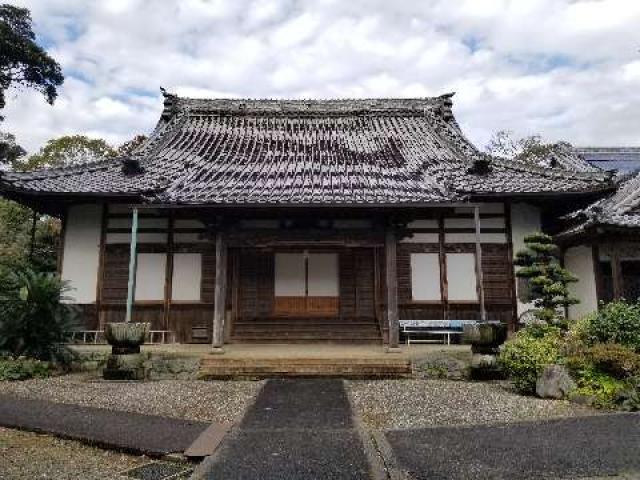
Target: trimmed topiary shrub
[(524, 356), (615, 322)]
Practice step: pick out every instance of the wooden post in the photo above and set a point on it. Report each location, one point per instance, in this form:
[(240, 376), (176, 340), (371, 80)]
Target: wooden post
[(101, 255), (168, 274), (220, 293), (616, 273), (597, 270), (133, 260), (34, 221), (442, 261), (479, 276), (392, 289)]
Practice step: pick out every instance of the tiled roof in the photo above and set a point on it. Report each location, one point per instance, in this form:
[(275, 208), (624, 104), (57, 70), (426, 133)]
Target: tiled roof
[(622, 159), (620, 209), (292, 152)]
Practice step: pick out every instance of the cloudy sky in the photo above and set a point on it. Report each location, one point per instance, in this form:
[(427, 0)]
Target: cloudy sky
[(566, 69)]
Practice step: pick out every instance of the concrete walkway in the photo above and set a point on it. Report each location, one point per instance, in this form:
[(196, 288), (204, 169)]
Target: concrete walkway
[(297, 429), (133, 432), (570, 448)]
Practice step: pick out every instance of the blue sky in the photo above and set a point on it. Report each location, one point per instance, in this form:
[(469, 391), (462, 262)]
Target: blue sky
[(567, 70)]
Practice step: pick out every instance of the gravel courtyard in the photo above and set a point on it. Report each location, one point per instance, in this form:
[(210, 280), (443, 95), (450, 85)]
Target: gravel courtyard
[(30, 455), (208, 401), (397, 404)]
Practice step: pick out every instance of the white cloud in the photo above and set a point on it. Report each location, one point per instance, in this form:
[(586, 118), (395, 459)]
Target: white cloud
[(566, 69)]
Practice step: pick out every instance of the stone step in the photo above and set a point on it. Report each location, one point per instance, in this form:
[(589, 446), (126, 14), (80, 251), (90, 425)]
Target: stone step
[(305, 339), (220, 367)]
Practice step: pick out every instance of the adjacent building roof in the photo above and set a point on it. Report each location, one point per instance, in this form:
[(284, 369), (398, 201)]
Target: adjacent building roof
[(621, 159), (618, 210), (305, 152)]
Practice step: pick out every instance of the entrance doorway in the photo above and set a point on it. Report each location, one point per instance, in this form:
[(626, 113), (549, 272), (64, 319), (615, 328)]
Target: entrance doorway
[(306, 283)]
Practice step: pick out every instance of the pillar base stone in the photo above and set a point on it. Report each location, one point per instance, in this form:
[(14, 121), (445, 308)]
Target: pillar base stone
[(217, 350)]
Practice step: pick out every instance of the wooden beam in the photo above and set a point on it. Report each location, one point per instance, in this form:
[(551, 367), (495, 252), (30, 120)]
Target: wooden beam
[(392, 287), (133, 260), (479, 275), (616, 273), (220, 292), (597, 271)]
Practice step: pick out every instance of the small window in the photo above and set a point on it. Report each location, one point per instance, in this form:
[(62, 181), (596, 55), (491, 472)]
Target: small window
[(150, 274), (461, 277), (425, 277), (187, 277)]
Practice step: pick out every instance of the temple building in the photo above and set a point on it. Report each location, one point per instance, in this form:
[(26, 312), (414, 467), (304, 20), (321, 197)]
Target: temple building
[(319, 221)]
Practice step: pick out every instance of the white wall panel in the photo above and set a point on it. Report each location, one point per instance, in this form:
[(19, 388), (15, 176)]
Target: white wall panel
[(461, 276), (323, 275), (82, 251), (150, 275), (187, 276), (289, 275), (525, 219), (425, 276), (579, 261)]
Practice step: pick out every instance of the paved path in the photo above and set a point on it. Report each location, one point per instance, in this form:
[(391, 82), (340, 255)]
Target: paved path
[(570, 448), (128, 431), (297, 429)]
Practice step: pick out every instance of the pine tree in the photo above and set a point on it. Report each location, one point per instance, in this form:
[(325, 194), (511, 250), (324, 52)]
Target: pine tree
[(548, 281)]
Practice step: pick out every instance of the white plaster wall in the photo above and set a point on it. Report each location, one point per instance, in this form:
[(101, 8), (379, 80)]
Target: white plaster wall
[(187, 276), (579, 261), (425, 276), (81, 255), (150, 275), (461, 276), (525, 219)]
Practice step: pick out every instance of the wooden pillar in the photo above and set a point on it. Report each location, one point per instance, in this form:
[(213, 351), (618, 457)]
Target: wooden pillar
[(616, 273), (442, 261), (597, 271), (133, 260), (220, 293), (168, 274), (392, 288), (479, 275), (101, 255)]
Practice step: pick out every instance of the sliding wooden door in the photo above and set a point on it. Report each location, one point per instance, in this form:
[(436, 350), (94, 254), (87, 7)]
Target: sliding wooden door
[(306, 283)]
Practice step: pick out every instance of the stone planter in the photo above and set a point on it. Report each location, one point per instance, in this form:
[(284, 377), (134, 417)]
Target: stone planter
[(485, 339), (125, 361)]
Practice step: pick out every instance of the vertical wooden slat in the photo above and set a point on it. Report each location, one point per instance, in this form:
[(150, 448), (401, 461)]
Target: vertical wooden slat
[(479, 276), (392, 286), (220, 292)]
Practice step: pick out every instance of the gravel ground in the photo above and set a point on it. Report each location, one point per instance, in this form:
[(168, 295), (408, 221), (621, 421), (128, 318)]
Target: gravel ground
[(27, 455), (208, 401), (397, 404)]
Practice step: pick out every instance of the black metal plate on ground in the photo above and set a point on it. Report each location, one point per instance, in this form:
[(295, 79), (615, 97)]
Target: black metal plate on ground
[(160, 471)]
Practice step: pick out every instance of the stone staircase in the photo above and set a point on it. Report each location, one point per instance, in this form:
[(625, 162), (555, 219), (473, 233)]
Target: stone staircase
[(306, 330)]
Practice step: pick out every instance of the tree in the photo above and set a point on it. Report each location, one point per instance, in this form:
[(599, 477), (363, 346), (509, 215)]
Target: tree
[(23, 63), (66, 151), (531, 149), (548, 281), (127, 148), (10, 151)]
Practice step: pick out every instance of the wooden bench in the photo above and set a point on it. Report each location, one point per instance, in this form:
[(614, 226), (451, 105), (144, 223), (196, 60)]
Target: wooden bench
[(446, 328)]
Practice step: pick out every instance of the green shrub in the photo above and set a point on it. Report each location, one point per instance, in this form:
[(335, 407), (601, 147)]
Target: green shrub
[(614, 359), (524, 357), (615, 322), (600, 386), (628, 399), (22, 368), (34, 320)]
